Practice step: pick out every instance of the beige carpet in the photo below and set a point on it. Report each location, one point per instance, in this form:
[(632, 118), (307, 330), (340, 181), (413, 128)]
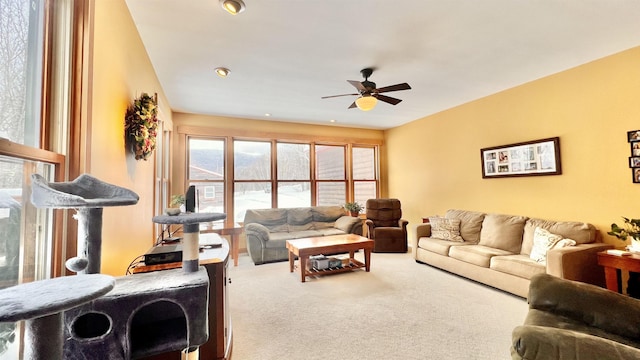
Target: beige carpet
[(399, 310)]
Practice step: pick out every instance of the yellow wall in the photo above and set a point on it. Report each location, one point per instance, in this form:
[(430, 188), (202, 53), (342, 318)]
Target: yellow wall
[(121, 72), (434, 163)]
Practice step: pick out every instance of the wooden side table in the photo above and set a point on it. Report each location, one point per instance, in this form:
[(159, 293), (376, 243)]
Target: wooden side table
[(233, 230), (614, 264)]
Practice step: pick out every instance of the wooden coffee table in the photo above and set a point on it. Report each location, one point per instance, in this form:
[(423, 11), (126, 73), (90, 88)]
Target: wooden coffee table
[(332, 244)]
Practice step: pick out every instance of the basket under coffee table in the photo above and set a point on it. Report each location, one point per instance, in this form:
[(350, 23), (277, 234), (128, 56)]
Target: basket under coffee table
[(332, 244)]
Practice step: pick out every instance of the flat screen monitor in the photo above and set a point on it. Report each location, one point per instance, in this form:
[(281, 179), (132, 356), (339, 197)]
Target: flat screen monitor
[(191, 199)]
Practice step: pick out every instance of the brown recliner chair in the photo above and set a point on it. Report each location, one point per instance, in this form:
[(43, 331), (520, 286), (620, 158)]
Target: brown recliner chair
[(385, 225)]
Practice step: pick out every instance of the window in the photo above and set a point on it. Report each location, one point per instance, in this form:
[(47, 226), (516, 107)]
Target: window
[(365, 184), (21, 49), (209, 192), (331, 182), (30, 247), (277, 173), (163, 172), (294, 175), (252, 176), (206, 171)]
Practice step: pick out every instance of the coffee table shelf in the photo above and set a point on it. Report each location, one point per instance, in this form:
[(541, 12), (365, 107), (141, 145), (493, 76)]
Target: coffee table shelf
[(306, 247), (353, 265)]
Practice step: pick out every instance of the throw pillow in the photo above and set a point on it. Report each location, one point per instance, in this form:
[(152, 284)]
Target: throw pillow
[(543, 240), (564, 243), (445, 229)]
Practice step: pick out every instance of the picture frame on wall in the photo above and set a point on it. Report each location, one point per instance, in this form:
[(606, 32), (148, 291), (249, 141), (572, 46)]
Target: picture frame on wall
[(634, 161), (635, 148), (633, 135), (531, 158), (636, 175)]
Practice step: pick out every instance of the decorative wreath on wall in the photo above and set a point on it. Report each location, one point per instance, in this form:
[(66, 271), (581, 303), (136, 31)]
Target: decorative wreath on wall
[(141, 124)]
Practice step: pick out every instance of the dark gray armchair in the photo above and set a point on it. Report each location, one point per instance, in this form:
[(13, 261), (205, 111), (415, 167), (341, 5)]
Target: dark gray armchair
[(570, 320)]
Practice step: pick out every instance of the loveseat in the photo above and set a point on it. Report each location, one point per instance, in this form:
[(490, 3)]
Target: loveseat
[(574, 320), (267, 230), (506, 251)]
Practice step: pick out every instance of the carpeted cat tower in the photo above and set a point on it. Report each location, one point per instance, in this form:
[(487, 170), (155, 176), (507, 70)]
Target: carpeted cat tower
[(144, 314)]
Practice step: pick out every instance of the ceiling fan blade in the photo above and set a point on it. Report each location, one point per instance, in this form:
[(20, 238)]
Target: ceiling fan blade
[(397, 87), (352, 105), (332, 96), (358, 85), (388, 99)]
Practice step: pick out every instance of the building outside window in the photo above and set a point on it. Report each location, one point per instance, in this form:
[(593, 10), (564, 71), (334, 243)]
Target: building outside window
[(331, 180), (365, 184)]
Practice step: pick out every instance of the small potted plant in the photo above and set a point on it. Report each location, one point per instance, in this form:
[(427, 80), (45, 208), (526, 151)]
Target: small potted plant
[(353, 208), (176, 205), (631, 228)]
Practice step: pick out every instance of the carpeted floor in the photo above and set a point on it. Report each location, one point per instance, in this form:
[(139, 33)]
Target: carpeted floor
[(400, 310)]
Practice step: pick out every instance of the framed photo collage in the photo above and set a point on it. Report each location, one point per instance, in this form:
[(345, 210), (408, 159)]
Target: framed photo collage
[(531, 158)]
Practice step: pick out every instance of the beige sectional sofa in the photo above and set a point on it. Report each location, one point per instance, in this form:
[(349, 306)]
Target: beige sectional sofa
[(267, 230), (499, 250)]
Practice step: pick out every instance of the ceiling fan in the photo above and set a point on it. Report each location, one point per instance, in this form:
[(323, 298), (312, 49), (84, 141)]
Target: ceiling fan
[(369, 94)]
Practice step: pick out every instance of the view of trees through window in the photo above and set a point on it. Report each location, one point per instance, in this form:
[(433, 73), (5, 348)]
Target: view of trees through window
[(294, 175), (206, 172), (272, 173), (20, 70)]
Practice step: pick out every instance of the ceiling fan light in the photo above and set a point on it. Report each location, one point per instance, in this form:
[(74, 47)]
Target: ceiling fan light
[(366, 102), (233, 7)]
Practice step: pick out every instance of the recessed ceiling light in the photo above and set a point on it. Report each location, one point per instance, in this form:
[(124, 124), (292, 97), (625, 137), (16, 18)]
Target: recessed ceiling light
[(332, 121), (222, 71), (233, 7), (267, 114)]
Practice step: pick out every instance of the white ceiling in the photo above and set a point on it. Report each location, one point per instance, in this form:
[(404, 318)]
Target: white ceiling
[(284, 55)]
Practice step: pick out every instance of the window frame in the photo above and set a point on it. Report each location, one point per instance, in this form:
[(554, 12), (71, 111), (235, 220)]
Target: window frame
[(184, 132), (225, 158)]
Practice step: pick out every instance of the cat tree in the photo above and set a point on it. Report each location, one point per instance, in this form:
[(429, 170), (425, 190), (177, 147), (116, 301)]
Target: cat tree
[(144, 314)]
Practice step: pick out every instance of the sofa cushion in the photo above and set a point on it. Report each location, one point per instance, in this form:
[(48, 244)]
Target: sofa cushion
[(330, 231), (517, 265), (346, 223), (326, 216), (470, 223), (582, 233), (476, 254), (277, 239), (273, 219), (300, 219), (543, 240), (445, 229), (502, 232), (437, 246)]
